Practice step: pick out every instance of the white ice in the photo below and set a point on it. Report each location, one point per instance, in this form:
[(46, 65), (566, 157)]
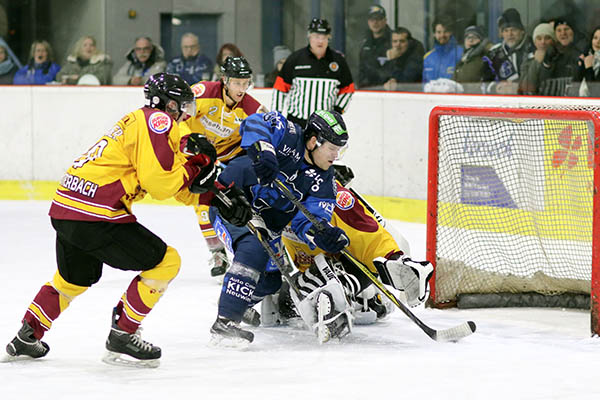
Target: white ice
[(515, 353)]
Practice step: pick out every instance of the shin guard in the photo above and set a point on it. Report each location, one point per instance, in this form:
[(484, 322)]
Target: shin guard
[(238, 288), (52, 299), (145, 290)]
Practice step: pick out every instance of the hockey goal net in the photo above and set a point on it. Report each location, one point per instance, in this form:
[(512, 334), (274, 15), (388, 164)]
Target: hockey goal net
[(513, 207)]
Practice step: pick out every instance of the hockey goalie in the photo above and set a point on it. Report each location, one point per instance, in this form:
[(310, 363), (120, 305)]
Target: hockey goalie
[(335, 293)]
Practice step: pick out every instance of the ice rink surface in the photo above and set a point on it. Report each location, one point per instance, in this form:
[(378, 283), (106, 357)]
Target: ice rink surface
[(515, 353)]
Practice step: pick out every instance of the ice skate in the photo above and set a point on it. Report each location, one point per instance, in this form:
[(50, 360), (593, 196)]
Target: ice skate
[(129, 349), (227, 333), (251, 317), (25, 346), (218, 262)]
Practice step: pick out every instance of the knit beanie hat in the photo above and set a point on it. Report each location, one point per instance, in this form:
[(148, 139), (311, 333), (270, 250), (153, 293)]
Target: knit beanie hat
[(510, 19), (279, 53), (474, 30), (543, 29)]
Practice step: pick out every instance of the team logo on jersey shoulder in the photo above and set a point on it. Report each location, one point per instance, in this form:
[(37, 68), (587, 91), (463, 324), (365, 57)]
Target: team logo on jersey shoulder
[(198, 89), (334, 66), (344, 200), (159, 122)]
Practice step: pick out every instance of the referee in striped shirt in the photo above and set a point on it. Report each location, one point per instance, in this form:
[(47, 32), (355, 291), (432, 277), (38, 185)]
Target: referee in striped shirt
[(313, 78)]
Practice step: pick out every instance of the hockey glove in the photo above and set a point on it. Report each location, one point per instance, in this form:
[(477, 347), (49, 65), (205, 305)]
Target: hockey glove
[(195, 143), (331, 239), (238, 212), (405, 274), (205, 180), (264, 161)]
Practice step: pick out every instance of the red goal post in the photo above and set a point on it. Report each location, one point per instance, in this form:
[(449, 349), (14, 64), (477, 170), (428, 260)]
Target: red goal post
[(513, 207)]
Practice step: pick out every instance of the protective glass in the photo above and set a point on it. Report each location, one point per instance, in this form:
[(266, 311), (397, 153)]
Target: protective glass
[(239, 84), (333, 151)]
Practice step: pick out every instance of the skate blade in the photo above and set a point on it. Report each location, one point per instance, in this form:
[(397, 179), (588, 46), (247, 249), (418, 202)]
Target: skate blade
[(7, 358), (223, 342), (123, 360)]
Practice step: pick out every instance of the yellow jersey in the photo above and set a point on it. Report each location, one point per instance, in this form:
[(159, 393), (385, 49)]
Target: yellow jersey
[(139, 155), (216, 121)]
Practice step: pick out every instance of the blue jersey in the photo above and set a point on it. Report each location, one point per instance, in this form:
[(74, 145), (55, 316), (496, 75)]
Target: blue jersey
[(314, 187)]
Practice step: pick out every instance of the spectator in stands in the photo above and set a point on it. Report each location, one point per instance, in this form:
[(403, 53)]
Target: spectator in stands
[(590, 67), (441, 60), (8, 67), (469, 69), (529, 77), (191, 65), (503, 62), (560, 66), (404, 60), (280, 54), (373, 48), (40, 68), (86, 60), (227, 50), (143, 60)]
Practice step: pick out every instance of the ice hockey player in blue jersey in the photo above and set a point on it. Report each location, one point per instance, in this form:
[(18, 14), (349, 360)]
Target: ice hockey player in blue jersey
[(300, 158)]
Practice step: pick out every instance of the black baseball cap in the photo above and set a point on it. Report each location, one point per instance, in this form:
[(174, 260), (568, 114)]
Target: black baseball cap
[(376, 12)]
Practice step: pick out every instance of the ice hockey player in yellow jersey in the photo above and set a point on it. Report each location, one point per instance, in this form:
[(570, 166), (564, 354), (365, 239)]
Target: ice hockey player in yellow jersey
[(221, 107), (91, 213)]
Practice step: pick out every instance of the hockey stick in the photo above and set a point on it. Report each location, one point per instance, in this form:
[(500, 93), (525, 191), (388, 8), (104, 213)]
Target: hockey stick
[(441, 335)]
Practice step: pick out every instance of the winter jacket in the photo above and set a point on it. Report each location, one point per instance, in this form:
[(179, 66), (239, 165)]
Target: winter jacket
[(36, 74), (133, 67), (559, 69), (470, 67), (408, 67), (192, 70), (100, 65), (502, 63), (441, 61), (372, 57)]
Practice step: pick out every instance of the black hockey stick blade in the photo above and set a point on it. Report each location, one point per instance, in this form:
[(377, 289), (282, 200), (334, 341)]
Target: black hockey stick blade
[(444, 335)]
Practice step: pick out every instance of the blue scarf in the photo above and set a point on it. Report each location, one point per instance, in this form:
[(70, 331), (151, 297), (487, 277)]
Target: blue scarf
[(6, 66)]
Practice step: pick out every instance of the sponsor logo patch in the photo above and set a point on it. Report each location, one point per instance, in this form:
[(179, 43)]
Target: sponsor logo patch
[(159, 122), (198, 89), (344, 200), (334, 66)]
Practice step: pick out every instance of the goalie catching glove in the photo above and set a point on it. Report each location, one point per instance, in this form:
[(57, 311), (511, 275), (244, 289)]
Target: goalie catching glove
[(232, 205), (407, 275)]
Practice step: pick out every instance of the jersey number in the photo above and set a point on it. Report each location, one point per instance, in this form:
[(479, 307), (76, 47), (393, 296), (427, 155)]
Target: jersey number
[(94, 152)]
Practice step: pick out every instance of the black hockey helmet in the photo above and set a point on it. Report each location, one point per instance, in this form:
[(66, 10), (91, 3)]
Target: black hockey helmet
[(236, 67), (318, 25), (326, 126), (162, 87)]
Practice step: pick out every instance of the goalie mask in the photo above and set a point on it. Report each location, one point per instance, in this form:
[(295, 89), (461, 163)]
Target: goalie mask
[(162, 89)]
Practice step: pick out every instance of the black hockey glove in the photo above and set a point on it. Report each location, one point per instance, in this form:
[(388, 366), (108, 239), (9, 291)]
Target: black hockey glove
[(195, 143), (264, 161), (331, 239), (205, 180), (238, 211), (343, 174)]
